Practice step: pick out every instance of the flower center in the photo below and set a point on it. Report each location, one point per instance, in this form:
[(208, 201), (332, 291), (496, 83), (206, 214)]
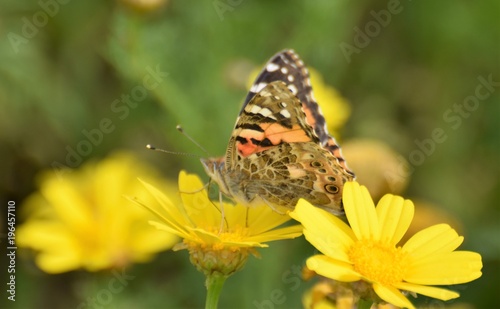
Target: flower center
[(378, 262), (235, 234)]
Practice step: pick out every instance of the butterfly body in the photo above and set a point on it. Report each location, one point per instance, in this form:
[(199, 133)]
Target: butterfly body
[(279, 150)]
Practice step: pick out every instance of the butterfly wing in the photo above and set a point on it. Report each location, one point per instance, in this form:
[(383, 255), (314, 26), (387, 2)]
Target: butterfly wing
[(287, 173), (272, 117), (286, 66), (279, 150)]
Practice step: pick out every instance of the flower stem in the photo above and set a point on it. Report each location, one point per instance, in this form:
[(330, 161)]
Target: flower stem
[(214, 285), (364, 304)]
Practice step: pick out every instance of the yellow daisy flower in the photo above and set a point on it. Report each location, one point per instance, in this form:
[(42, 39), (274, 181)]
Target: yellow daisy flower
[(82, 220), (197, 220), (368, 249), (218, 245)]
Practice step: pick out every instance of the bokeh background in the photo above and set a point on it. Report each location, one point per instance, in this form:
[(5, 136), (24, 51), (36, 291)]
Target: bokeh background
[(408, 74)]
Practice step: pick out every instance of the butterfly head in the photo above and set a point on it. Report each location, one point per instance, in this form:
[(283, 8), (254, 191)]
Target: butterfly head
[(214, 168)]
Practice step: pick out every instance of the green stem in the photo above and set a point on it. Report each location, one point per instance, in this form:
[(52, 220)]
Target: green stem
[(364, 304), (214, 286)]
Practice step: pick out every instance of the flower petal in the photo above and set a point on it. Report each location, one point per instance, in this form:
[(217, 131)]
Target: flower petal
[(392, 296), (327, 233), (197, 206), (59, 250), (170, 213), (169, 229), (277, 234), (70, 205), (445, 268), (395, 215), (360, 211), (263, 218), (331, 268), (434, 239), (430, 291)]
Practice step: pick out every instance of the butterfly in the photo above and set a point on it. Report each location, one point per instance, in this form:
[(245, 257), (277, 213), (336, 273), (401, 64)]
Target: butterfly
[(280, 150)]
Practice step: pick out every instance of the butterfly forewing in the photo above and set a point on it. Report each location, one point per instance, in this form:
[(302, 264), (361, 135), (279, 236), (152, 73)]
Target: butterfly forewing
[(286, 66)]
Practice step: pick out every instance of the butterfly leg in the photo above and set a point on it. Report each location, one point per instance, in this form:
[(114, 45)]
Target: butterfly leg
[(247, 215), (223, 220)]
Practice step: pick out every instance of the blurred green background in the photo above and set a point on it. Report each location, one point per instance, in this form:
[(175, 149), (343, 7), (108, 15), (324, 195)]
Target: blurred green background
[(61, 75)]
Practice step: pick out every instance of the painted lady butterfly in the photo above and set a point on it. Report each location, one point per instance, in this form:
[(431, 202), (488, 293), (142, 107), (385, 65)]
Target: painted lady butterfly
[(280, 150)]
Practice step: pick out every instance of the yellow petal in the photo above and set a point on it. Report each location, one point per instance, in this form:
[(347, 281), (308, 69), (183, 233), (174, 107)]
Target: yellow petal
[(60, 252), (327, 233), (165, 227), (59, 262), (395, 215), (360, 211), (41, 235), (438, 293), (434, 239), (151, 240), (69, 204), (263, 218), (170, 213), (392, 296), (277, 234), (330, 268), (197, 206), (109, 181), (445, 268)]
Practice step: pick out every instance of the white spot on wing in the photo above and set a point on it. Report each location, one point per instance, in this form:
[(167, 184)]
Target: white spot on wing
[(290, 78), (266, 112), (271, 67), (254, 110), (285, 113), (293, 89), (284, 70), (258, 87)]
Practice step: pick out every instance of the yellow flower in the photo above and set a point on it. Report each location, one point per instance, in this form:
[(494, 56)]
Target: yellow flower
[(335, 108), (368, 251), (82, 220), (215, 247), (377, 166), (144, 6)]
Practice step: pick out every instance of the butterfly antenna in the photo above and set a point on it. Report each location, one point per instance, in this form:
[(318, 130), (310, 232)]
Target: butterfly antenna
[(181, 130), (149, 146)]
